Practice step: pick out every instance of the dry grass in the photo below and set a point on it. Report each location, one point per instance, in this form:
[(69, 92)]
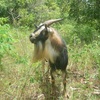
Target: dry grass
[(19, 80)]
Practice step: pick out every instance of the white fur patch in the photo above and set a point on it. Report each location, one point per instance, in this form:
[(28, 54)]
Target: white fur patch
[(40, 46), (50, 52), (39, 31)]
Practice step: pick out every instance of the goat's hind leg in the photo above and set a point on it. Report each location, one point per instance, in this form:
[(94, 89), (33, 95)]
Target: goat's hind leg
[(64, 72)]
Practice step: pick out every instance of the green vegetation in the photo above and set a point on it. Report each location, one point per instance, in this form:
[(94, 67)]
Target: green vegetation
[(21, 80)]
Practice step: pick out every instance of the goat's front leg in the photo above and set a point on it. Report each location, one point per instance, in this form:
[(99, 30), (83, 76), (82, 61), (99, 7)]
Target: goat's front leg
[(43, 67), (52, 76), (53, 90)]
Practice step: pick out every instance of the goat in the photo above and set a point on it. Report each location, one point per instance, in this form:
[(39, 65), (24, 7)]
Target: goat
[(49, 45)]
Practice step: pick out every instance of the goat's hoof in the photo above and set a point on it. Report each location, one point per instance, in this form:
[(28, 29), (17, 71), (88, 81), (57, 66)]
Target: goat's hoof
[(66, 95)]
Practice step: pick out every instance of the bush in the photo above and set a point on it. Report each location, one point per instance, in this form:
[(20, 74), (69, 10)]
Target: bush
[(5, 41), (76, 34), (85, 33)]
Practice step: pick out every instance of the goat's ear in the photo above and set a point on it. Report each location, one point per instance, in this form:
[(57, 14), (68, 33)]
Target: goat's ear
[(35, 26), (48, 29)]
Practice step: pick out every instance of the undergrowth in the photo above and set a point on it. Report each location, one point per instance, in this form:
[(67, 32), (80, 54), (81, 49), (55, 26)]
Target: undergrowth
[(22, 80)]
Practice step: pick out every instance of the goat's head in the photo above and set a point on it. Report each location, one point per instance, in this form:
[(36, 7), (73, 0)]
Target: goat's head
[(42, 31)]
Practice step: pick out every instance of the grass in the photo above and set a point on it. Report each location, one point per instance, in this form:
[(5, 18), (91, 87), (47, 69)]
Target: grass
[(21, 80)]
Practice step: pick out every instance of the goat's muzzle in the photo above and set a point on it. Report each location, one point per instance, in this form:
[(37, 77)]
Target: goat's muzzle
[(32, 38)]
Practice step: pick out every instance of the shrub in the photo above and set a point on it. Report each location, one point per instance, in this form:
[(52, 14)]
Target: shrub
[(5, 41)]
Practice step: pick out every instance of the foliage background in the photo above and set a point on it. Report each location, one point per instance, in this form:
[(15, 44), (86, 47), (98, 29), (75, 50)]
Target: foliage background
[(19, 80)]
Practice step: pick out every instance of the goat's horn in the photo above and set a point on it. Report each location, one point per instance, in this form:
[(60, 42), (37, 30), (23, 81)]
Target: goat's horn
[(49, 22)]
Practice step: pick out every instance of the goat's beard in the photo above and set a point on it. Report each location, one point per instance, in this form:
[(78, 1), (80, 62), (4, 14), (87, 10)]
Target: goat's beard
[(38, 52), (42, 52)]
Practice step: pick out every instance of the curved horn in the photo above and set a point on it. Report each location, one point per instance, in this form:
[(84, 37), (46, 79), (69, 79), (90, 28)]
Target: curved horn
[(49, 22)]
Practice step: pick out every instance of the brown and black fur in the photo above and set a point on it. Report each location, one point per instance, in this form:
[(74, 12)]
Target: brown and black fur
[(49, 45)]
